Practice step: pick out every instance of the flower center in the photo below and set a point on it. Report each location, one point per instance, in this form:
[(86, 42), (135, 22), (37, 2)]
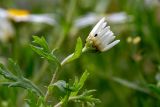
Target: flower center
[(16, 12)]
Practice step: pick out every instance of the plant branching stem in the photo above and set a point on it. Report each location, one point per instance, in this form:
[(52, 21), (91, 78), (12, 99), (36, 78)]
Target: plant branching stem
[(55, 73)]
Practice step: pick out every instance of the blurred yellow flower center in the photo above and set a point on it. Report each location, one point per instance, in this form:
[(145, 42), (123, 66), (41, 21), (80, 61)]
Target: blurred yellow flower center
[(16, 12)]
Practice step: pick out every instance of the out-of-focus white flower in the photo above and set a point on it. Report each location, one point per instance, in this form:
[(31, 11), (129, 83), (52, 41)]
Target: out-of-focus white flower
[(86, 20), (18, 15), (6, 30), (92, 18), (25, 16), (3, 13), (101, 37), (152, 3), (118, 18)]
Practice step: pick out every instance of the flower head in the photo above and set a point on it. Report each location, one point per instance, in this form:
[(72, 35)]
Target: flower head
[(20, 15), (101, 37)]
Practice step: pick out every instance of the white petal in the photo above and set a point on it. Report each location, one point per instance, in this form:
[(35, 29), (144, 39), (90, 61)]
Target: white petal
[(105, 30), (105, 38), (97, 26), (109, 40), (104, 25), (111, 45), (3, 13)]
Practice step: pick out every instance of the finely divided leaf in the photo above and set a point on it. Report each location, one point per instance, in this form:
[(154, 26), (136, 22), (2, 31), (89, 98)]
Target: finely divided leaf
[(17, 80), (40, 46), (8, 75), (15, 68), (79, 84), (42, 42)]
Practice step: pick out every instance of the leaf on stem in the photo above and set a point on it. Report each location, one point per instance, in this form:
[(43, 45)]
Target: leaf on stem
[(40, 46), (79, 84), (61, 85), (87, 97), (17, 80), (15, 68), (78, 51), (72, 92)]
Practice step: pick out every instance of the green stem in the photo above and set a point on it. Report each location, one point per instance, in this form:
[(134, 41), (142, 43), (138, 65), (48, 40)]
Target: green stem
[(55, 73), (69, 56), (52, 81)]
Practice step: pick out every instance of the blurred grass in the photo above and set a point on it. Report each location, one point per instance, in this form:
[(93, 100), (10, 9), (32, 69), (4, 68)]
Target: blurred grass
[(137, 64)]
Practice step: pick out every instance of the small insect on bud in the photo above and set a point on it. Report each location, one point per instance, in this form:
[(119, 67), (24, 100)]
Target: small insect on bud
[(101, 37)]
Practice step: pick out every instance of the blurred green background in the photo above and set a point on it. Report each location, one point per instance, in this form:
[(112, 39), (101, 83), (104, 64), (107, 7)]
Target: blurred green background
[(121, 75)]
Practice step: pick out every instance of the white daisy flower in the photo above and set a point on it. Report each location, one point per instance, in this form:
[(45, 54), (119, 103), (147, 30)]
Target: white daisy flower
[(19, 15), (101, 37), (152, 3)]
